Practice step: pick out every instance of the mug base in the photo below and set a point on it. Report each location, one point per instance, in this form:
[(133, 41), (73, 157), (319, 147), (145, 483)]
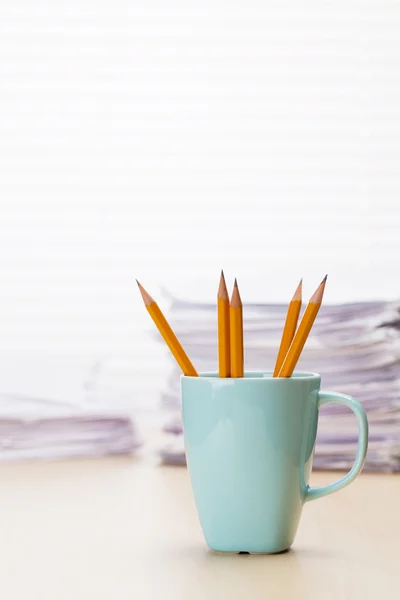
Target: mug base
[(256, 553)]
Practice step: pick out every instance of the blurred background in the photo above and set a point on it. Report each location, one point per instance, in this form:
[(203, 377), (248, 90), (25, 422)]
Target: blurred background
[(168, 141)]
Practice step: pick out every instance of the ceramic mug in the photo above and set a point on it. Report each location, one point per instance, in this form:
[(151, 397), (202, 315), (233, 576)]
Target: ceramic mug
[(249, 448)]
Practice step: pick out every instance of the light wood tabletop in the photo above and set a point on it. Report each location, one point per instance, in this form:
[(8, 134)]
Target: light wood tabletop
[(118, 529)]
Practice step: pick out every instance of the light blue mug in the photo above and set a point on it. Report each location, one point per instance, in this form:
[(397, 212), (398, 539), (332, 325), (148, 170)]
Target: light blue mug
[(249, 447)]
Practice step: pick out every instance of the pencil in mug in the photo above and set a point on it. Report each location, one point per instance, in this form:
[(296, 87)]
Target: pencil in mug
[(169, 337), (236, 327), (303, 331), (289, 328), (224, 337)]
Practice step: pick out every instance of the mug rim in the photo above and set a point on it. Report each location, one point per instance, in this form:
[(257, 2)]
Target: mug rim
[(255, 376)]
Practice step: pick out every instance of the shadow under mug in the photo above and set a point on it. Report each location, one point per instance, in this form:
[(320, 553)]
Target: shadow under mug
[(249, 447)]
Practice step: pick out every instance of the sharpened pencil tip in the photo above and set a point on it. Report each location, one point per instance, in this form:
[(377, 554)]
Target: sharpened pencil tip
[(297, 294), (316, 298), (222, 273), (147, 299), (235, 299), (222, 291)]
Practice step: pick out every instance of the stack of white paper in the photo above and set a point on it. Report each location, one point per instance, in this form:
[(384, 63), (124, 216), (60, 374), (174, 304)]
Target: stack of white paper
[(356, 349), (53, 408)]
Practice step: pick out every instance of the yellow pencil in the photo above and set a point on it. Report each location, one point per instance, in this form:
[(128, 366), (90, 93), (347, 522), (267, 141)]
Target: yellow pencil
[(224, 346), (236, 326), (289, 329), (169, 337), (304, 329)]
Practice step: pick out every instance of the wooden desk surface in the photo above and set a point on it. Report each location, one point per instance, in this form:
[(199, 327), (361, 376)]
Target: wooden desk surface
[(116, 529)]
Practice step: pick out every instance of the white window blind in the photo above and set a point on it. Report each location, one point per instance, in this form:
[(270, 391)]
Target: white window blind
[(167, 140)]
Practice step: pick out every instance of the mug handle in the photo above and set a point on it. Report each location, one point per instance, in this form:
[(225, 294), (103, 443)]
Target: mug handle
[(358, 410)]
